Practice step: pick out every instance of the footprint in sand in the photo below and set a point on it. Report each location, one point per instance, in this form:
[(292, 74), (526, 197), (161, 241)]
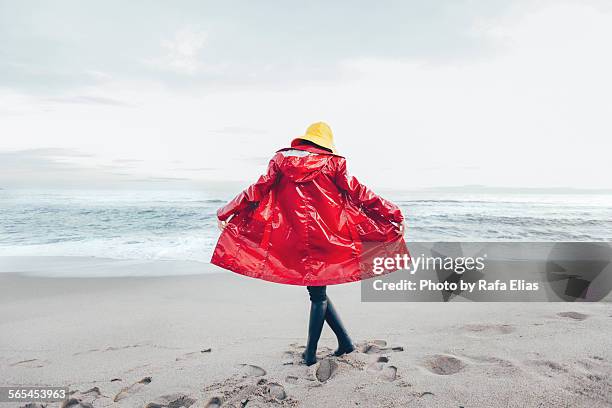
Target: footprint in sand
[(491, 365), (444, 365), (371, 349), (328, 365), (115, 348), (193, 354), (548, 368), (325, 369), (291, 358), (30, 363), (247, 393), (78, 397), (485, 329), (378, 363), (292, 379), (276, 391), (214, 402), (172, 401), (573, 315), (131, 389), (95, 391), (78, 353), (389, 373), (296, 356), (252, 371), (377, 347), (76, 403)]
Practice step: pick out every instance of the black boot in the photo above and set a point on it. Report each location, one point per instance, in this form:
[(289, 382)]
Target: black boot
[(315, 326), (345, 345)]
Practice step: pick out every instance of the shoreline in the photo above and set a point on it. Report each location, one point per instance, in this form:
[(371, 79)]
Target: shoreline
[(98, 267)]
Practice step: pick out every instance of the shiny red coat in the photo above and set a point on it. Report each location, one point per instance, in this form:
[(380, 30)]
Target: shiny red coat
[(307, 222)]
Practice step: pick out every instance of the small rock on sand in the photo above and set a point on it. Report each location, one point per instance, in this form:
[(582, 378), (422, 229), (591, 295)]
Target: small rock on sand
[(573, 315)]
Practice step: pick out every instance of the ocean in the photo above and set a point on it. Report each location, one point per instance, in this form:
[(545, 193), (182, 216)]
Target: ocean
[(181, 225)]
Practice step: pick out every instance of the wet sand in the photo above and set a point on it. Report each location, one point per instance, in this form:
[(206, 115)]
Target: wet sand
[(219, 339)]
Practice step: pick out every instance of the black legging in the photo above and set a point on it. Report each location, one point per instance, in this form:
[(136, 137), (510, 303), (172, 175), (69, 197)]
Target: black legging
[(322, 310), (317, 293)]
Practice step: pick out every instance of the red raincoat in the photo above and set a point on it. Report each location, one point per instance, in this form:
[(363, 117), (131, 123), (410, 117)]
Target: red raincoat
[(307, 222)]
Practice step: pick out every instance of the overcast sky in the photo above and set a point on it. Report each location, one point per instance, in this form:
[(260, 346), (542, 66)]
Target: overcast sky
[(418, 93)]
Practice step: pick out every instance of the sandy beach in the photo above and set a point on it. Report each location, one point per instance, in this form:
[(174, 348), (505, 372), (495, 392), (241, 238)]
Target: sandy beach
[(210, 338)]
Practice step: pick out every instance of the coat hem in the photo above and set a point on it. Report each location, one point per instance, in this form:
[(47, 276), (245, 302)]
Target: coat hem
[(274, 279)]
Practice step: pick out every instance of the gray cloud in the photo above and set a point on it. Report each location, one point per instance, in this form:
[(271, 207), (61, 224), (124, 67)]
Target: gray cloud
[(51, 167), (36, 165), (44, 152), (88, 100), (51, 47)]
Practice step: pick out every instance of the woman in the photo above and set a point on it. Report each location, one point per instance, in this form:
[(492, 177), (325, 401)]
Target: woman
[(307, 222)]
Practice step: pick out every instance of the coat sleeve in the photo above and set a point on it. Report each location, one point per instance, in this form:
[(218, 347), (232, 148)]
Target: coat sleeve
[(252, 194), (366, 198)]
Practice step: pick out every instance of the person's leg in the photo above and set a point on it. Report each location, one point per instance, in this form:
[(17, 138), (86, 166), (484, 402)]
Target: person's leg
[(345, 345), (318, 309)]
